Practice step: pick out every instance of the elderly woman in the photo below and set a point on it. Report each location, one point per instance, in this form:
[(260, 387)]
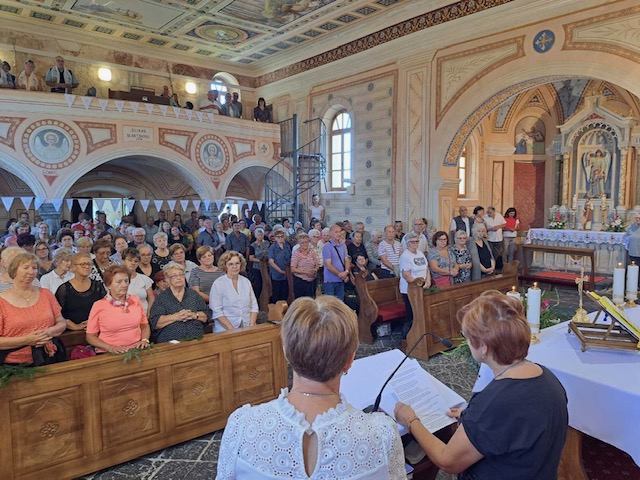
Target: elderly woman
[(491, 442), (320, 434), (120, 244), (61, 273), (84, 245), (139, 285), (372, 250), (42, 233), (29, 316), (304, 267), (77, 296), (258, 251), (413, 265), (178, 254), (482, 260), (203, 276), (118, 322), (65, 238), (232, 302), (442, 262), (101, 250), (357, 247), (6, 257), (178, 313), (462, 255), (147, 267), (279, 260), (161, 255), (43, 254)]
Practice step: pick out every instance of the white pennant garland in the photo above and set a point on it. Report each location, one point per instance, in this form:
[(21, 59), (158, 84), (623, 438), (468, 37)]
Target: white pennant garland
[(103, 102), (26, 201), (219, 204), (84, 203), (57, 203), (207, 204), (163, 109), (259, 205), (99, 203), (7, 202), (130, 202), (176, 111), (115, 204), (134, 106), (119, 105), (184, 204), (37, 203), (145, 205), (189, 114), (172, 204), (196, 205), (149, 107), (210, 116), (69, 202), (200, 115), (158, 204), (86, 101), (70, 98)]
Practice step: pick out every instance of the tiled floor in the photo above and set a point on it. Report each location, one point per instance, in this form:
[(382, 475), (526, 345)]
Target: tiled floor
[(197, 458)]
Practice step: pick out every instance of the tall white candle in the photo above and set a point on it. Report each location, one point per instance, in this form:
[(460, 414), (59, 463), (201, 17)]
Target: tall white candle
[(632, 278), (618, 284), (534, 298)]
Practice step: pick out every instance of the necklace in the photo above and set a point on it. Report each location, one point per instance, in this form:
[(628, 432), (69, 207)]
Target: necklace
[(315, 394), (503, 371)]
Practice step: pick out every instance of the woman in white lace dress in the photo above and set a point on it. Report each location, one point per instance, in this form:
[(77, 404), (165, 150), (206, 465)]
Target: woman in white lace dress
[(311, 432)]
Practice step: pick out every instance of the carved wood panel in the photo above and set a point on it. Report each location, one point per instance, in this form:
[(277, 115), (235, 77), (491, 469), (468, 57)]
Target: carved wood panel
[(252, 374), (439, 314), (47, 429), (458, 303), (196, 389), (129, 408)]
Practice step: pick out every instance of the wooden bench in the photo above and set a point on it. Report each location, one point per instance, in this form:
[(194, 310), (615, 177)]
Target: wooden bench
[(560, 278), (84, 415), (380, 301)]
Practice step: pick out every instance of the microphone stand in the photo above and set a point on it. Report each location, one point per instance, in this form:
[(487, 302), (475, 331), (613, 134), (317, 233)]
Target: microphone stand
[(444, 341)]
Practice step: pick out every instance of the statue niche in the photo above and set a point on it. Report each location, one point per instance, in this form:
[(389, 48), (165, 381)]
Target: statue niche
[(530, 134), (595, 152)]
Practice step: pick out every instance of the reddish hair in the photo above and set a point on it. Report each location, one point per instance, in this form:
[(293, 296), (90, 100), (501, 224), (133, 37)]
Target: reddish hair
[(112, 271), (499, 322)]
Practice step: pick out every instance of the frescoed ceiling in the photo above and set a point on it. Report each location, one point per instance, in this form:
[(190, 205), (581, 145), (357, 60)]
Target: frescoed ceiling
[(236, 31)]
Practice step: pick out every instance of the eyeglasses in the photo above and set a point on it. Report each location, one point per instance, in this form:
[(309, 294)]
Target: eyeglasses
[(86, 265), (177, 275), (414, 241)]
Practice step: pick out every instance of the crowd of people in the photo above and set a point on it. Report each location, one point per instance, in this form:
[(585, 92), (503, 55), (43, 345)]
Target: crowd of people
[(60, 79)]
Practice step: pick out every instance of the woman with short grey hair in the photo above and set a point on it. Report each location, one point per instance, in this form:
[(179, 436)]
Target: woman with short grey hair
[(482, 260), (61, 272), (161, 255)]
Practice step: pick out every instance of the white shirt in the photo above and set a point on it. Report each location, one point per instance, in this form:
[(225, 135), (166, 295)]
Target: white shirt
[(265, 441), (316, 212), (51, 281), (138, 286), (423, 243), (237, 306), (391, 251), (494, 235), (414, 263)]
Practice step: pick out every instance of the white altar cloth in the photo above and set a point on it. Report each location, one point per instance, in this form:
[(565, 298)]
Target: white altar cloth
[(603, 386), (576, 236)]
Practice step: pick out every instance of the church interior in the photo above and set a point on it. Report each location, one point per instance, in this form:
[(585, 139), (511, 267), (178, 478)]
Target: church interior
[(392, 121)]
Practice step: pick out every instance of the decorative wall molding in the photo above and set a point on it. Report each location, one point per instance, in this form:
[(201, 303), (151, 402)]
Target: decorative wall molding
[(242, 147), (98, 135), (8, 127), (177, 140)]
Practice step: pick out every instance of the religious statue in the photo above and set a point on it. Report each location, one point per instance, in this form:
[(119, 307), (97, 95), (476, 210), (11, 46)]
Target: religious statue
[(604, 208), (596, 167), (587, 214)]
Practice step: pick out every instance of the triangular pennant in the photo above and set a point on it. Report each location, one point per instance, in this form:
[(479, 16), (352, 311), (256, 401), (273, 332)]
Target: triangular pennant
[(86, 101), (69, 99), (200, 115), (119, 105), (196, 205), (158, 204), (26, 201), (207, 204), (7, 202), (145, 204), (210, 116), (130, 202), (103, 102), (163, 109), (84, 202), (149, 107), (172, 204), (134, 106), (99, 203), (115, 204), (189, 114), (37, 203), (57, 203), (69, 202), (219, 204), (184, 204), (260, 204), (176, 111)]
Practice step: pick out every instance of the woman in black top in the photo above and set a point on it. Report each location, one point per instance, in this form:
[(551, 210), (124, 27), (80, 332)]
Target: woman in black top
[(76, 296), (513, 429), (261, 113), (482, 261)]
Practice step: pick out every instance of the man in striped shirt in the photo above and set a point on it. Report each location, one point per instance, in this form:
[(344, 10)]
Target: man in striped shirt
[(389, 251)]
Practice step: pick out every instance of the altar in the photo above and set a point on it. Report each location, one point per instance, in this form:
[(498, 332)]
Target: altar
[(610, 249)]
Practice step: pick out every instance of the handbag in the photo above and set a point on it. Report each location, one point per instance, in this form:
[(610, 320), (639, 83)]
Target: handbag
[(41, 357)]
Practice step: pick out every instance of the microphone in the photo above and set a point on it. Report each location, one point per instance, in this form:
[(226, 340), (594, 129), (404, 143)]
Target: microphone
[(444, 341)]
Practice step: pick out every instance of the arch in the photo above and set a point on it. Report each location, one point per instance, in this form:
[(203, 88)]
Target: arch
[(226, 78), (196, 178), (238, 167), (12, 165)]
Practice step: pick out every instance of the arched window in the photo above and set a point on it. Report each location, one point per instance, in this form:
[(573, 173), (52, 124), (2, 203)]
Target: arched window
[(463, 172), (222, 88), (224, 82), (340, 152)]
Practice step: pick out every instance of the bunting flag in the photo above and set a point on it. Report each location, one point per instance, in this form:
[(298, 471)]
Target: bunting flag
[(158, 204), (219, 204), (210, 116), (69, 202), (103, 102), (184, 204), (84, 203), (134, 106), (163, 109), (189, 114), (149, 107), (207, 204), (176, 111), (251, 204), (86, 101), (196, 205), (145, 204), (116, 204), (37, 203), (7, 202), (200, 115), (57, 203), (172, 204), (260, 204), (129, 203), (119, 105), (99, 203), (26, 201), (69, 99)]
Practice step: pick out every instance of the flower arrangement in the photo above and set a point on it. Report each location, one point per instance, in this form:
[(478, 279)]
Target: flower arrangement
[(615, 225), (557, 222)]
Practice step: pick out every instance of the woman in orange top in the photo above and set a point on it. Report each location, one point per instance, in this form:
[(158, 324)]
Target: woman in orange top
[(29, 316), (118, 322)]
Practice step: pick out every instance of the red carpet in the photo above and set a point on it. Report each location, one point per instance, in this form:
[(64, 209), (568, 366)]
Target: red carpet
[(568, 278), (605, 462)]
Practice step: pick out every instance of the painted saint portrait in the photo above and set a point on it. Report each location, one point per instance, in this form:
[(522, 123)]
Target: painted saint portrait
[(212, 155), (596, 153), (50, 145), (530, 136)]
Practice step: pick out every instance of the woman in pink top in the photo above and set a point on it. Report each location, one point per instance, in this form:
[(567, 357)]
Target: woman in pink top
[(304, 267), (118, 322), (29, 316)]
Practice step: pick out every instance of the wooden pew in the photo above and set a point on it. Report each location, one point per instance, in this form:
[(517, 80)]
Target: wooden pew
[(85, 415), (373, 295), (435, 312)]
